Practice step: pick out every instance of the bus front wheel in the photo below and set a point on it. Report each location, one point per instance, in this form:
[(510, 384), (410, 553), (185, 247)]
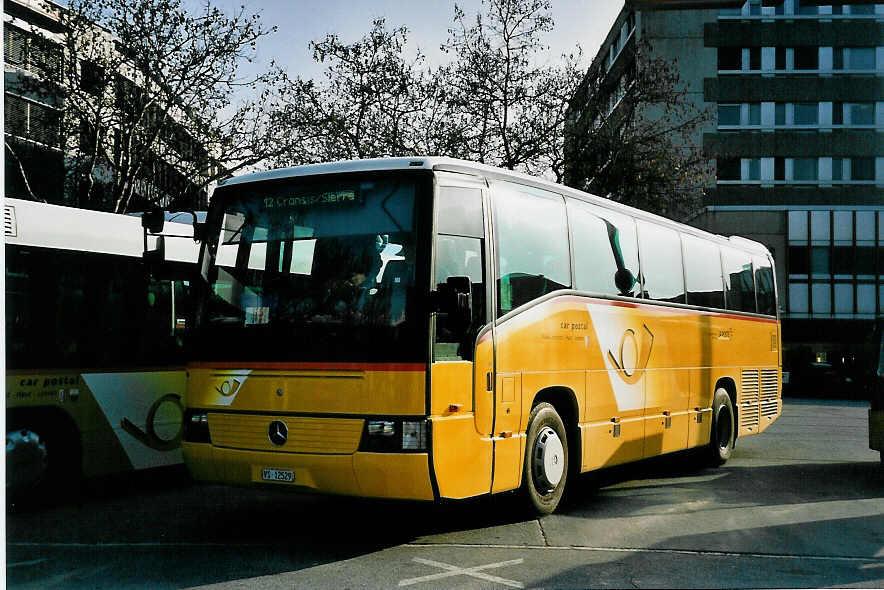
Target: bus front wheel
[(545, 471), (724, 430)]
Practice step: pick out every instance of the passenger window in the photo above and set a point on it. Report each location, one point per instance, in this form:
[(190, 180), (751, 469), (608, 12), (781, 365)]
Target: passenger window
[(459, 212), (605, 250), (739, 282), (663, 278), (765, 290), (532, 244), (703, 272), (459, 256)]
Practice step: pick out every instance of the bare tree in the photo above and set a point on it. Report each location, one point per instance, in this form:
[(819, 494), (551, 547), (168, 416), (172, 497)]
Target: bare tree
[(634, 139), (148, 100), (373, 101), (511, 106)]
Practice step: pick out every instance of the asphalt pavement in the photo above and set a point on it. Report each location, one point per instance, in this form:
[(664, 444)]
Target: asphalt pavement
[(799, 506)]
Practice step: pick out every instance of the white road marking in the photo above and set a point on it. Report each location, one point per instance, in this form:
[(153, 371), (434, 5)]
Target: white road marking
[(475, 572), (697, 552)]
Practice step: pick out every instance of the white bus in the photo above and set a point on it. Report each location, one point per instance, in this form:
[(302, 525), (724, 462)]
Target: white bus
[(94, 347)]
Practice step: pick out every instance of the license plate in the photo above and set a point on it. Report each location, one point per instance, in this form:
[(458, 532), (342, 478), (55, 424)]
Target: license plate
[(286, 475)]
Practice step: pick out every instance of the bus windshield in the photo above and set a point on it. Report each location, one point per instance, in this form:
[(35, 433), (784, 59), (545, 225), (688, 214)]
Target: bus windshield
[(304, 258)]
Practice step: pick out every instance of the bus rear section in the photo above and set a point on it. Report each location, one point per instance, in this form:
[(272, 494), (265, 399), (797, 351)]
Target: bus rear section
[(95, 348)]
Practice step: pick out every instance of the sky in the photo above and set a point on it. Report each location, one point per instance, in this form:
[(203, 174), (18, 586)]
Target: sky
[(583, 22)]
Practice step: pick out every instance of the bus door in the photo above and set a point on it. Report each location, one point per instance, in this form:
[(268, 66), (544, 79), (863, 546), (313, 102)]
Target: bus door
[(462, 394)]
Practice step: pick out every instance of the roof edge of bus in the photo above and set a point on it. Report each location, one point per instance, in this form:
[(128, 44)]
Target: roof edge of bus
[(364, 165), (444, 164)]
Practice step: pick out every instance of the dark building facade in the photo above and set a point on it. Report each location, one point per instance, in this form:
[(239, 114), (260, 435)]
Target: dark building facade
[(796, 93), (40, 144)]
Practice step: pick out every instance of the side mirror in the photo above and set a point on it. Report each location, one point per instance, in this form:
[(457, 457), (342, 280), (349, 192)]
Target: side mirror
[(154, 220)]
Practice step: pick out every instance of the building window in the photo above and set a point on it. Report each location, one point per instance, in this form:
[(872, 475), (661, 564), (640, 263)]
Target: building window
[(753, 169), (838, 168), (861, 9), (807, 58), (805, 113), (853, 58), (799, 260), (780, 58), (730, 58), (806, 8), (804, 169), (32, 120), (862, 168), (755, 58), (779, 168), (780, 113), (861, 113), (838, 113), (755, 113), (729, 114), (728, 168)]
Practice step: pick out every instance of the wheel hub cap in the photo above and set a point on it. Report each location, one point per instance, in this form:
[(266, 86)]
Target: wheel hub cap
[(549, 459)]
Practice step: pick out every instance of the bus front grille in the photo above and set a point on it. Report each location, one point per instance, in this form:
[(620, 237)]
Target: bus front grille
[(324, 436)]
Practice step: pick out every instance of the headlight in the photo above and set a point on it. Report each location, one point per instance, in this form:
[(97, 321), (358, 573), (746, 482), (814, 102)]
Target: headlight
[(394, 436), (196, 426), (414, 435)]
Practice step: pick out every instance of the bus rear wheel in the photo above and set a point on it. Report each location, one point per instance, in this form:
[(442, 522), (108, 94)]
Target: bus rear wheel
[(27, 461), (42, 460), (724, 429), (545, 471)]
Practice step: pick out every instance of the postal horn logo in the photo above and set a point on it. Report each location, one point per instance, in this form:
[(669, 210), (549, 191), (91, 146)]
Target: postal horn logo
[(635, 352), (228, 387)]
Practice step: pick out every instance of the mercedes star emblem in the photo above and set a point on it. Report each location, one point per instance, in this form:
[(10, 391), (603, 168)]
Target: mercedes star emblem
[(278, 433)]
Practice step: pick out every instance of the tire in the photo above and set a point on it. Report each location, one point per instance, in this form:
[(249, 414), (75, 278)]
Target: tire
[(545, 470), (724, 429), (41, 462)]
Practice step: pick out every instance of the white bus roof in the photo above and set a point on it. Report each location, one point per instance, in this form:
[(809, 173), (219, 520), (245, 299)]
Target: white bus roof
[(466, 167), (28, 223)]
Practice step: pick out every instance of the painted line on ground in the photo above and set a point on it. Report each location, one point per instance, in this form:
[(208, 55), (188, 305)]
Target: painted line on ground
[(704, 553), (475, 572)]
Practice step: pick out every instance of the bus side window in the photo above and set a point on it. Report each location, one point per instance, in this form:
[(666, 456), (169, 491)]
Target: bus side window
[(705, 287), (605, 250), (459, 252), (739, 282), (532, 241), (765, 291), (661, 265)]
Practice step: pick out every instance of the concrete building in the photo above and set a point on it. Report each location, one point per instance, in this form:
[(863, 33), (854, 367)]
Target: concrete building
[(41, 141), (796, 90)]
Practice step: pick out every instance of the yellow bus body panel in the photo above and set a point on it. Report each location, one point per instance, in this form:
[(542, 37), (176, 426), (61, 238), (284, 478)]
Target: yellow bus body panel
[(322, 448), (351, 389), (642, 376)]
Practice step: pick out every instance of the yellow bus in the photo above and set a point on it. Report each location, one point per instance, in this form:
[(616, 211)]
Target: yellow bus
[(429, 328), (94, 348)]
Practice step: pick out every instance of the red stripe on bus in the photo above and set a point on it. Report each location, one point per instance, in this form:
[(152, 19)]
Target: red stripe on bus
[(285, 366)]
